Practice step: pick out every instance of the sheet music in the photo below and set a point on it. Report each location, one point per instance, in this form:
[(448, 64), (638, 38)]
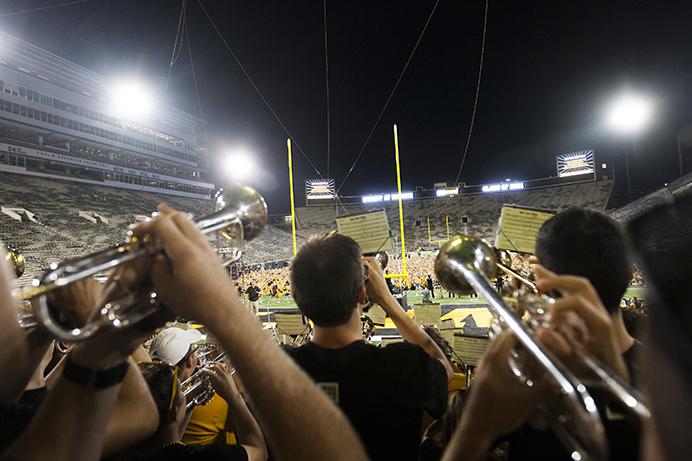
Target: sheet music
[(290, 324), (370, 230), (470, 349), (427, 314)]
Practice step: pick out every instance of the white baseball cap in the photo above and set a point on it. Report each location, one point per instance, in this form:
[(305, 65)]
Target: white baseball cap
[(172, 344)]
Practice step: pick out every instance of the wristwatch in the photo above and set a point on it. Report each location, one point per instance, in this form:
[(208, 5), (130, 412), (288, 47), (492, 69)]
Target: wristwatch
[(99, 379)]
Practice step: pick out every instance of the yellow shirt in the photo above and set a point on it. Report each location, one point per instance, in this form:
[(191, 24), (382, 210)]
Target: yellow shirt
[(207, 424)]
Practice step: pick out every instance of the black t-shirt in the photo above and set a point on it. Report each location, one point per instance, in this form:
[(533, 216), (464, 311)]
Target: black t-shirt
[(14, 417), (382, 391), (214, 452), (623, 437), (252, 294)]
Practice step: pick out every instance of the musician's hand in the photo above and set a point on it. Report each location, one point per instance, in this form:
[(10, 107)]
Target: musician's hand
[(376, 286), (579, 297), (222, 381), (498, 402), (78, 301), (189, 278), (109, 348)]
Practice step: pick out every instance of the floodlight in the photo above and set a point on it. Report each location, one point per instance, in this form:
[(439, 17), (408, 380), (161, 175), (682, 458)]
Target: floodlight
[(629, 113), (131, 100), (238, 164)]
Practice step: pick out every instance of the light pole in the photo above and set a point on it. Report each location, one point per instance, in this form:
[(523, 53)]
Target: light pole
[(628, 115)]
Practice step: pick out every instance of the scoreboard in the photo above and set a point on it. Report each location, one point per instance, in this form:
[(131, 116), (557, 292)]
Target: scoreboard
[(319, 191), (575, 163)]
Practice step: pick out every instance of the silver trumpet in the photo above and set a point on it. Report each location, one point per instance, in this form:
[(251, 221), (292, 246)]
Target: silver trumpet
[(240, 215), (536, 305), (466, 263), (197, 389)]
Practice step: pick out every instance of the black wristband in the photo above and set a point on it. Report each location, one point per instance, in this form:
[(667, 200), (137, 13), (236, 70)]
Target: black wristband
[(95, 378)]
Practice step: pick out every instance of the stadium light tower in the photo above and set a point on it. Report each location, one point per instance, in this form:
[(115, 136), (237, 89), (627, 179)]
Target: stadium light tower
[(131, 100), (237, 164), (628, 115)]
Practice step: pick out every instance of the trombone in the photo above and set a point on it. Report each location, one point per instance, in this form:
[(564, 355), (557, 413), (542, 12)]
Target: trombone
[(240, 215)]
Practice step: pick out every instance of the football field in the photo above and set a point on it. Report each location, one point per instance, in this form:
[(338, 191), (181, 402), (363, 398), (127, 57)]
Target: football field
[(267, 302)]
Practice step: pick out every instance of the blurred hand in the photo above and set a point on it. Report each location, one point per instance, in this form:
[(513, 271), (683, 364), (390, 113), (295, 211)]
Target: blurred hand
[(498, 402), (222, 380), (376, 286), (598, 336), (109, 348), (189, 279), (78, 301)]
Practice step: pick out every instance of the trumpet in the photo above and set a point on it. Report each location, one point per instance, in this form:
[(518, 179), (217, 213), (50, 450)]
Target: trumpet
[(466, 263), (529, 301), (197, 389), (240, 215)]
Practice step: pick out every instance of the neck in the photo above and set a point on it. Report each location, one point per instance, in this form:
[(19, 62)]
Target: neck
[(625, 341), (339, 336)]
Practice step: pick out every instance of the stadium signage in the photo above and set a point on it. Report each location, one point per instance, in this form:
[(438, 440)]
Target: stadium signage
[(319, 189), (376, 198), (447, 192), (575, 163), (503, 187)]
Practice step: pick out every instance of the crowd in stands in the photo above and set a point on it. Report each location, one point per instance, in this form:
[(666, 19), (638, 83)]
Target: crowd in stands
[(213, 385)]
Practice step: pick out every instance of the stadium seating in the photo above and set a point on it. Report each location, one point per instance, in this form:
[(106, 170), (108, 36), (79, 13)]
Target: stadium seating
[(482, 210), (60, 230)]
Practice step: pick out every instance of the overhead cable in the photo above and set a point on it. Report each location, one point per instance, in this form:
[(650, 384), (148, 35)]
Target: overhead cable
[(254, 85), (391, 95)]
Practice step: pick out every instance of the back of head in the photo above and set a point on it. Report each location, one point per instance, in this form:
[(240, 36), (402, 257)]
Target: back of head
[(326, 274), (589, 244), (162, 382)]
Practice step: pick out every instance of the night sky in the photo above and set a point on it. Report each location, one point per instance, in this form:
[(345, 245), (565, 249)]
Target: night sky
[(550, 66)]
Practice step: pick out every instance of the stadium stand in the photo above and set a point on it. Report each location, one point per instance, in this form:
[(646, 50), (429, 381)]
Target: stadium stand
[(630, 211), (61, 230), (482, 210), (81, 218)]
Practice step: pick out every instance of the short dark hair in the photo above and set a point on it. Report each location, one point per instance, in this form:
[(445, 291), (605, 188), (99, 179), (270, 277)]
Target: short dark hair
[(590, 244), (326, 274), (160, 378)]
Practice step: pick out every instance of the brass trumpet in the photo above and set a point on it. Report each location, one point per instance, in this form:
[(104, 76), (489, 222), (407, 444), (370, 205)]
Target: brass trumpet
[(240, 215), (466, 263), (197, 389)]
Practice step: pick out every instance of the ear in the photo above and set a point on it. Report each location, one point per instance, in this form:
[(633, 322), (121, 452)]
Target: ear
[(191, 362), (362, 294)]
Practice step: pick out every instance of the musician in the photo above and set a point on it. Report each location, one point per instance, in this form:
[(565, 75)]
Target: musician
[(589, 244), (398, 381), (166, 443), (177, 347)]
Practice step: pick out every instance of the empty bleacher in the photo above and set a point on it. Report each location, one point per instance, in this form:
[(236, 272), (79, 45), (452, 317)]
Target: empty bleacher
[(482, 210)]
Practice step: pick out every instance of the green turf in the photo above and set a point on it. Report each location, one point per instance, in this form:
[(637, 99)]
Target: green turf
[(287, 302)]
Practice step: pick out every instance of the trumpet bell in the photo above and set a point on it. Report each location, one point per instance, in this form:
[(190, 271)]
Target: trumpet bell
[(468, 251), (244, 204)]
